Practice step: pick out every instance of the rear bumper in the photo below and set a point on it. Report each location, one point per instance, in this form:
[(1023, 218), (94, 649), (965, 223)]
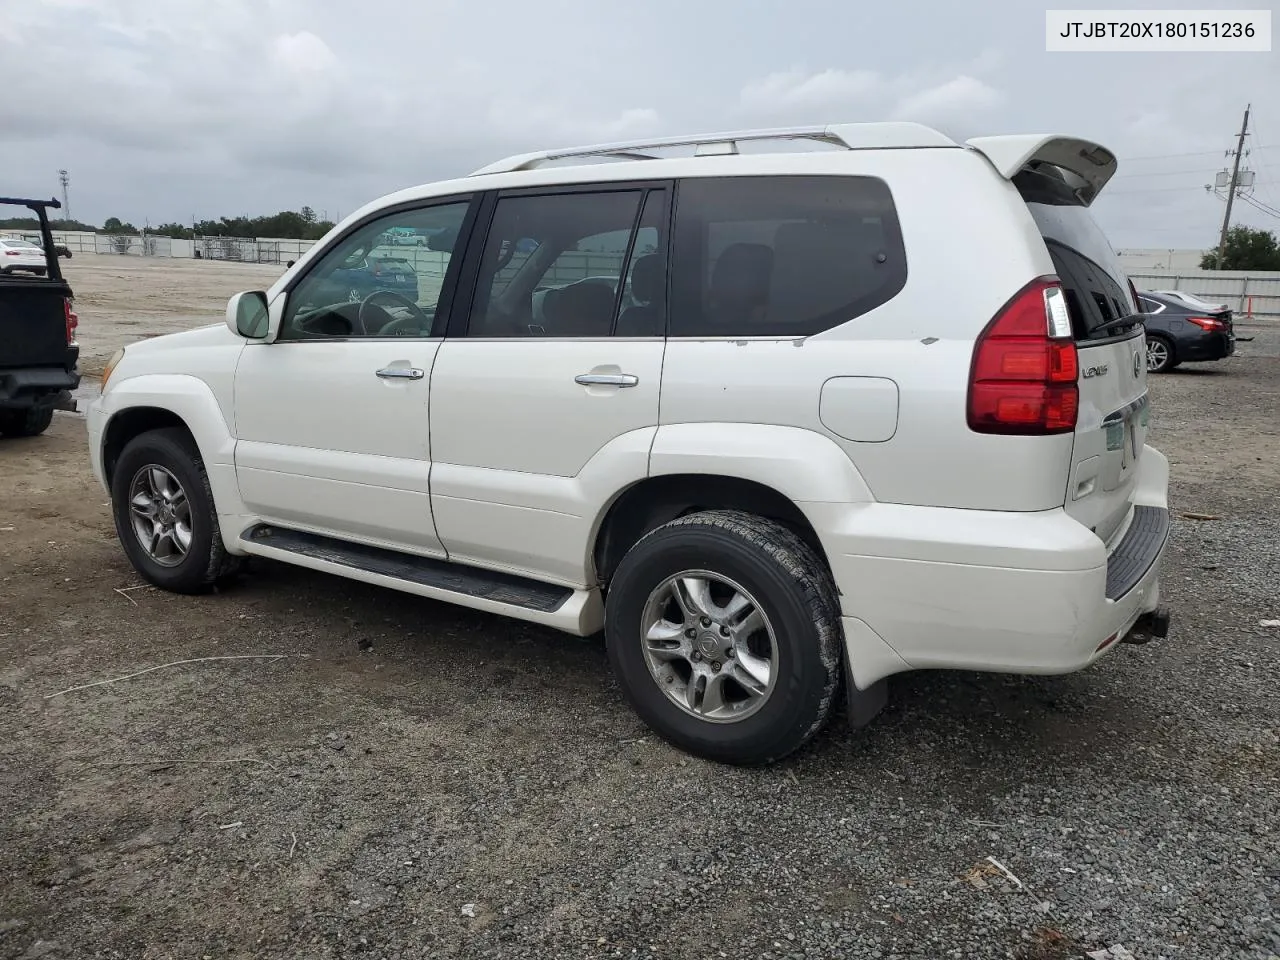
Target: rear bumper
[(936, 588), (1216, 346), (32, 386)]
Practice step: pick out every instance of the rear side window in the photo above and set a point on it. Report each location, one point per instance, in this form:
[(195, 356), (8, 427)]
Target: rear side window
[(782, 256), (1096, 287)]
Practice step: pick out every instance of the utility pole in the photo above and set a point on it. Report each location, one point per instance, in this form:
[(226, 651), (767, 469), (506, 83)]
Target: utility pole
[(64, 178), (1231, 190)]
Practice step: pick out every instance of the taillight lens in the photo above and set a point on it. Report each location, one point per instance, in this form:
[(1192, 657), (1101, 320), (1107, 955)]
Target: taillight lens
[(1025, 367), (1208, 324), (13, 253), (73, 321)]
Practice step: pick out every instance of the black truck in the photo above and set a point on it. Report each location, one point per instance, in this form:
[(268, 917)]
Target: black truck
[(38, 350)]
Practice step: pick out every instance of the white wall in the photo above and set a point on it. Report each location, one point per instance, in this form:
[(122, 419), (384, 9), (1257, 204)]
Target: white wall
[(1249, 293)]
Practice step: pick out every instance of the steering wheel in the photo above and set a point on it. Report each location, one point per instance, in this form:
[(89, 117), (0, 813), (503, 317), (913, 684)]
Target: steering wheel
[(390, 326)]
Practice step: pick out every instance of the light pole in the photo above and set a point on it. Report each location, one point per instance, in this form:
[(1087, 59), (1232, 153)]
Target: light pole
[(64, 178)]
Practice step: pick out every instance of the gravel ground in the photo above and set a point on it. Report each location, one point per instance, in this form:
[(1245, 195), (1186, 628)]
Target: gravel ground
[(414, 780)]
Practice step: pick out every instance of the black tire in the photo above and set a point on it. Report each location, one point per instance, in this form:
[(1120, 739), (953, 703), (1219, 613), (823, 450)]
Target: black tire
[(1171, 356), (206, 562), (29, 422), (794, 591)]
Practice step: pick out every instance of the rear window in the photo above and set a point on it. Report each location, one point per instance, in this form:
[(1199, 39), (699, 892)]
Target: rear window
[(782, 256), (1097, 290)]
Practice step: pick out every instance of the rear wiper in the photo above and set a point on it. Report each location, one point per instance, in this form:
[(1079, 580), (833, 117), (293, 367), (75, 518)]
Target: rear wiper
[(1104, 328)]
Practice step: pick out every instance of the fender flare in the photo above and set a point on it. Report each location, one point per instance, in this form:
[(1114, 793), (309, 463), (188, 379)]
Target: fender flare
[(192, 401), (802, 465)]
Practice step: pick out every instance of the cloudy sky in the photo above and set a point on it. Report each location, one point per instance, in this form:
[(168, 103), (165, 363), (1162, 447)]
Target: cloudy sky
[(169, 109)]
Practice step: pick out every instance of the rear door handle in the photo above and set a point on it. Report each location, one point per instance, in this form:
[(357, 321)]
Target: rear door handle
[(401, 373), (607, 379)]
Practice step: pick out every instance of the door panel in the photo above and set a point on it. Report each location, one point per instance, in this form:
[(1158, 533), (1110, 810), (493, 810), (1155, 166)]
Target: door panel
[(512, 434), (327, 444), (333, 417), (544, 407)]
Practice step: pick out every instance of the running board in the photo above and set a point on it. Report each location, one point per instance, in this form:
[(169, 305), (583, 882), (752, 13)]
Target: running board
[(452, 578)]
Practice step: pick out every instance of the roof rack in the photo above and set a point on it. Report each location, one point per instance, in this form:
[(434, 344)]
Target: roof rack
[(850, 136)]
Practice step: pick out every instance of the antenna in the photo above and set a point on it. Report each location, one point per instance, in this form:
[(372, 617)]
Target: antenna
[(64, 178)]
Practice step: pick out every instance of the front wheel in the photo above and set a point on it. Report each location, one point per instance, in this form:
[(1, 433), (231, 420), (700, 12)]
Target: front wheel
[(723, 630), (164, 513), (29, 422)]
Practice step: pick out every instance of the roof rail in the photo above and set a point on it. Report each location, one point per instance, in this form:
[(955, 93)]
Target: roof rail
[(850, 136)]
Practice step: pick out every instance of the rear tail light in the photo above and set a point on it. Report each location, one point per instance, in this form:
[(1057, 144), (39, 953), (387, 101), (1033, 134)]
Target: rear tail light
[(1208, 324), (73, 321), (1023, 379), (13, 253)]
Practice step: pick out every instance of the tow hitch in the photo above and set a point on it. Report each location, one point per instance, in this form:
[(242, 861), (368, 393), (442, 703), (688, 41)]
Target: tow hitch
[(1149, 626)]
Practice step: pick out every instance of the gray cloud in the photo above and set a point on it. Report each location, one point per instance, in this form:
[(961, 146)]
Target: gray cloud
[(199, 108)]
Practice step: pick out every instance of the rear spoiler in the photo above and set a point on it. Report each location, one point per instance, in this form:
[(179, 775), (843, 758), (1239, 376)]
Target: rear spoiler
[(41, 209), (1091, 163)]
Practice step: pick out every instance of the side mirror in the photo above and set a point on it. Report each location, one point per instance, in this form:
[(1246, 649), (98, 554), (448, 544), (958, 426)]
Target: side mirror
[(247, 315)]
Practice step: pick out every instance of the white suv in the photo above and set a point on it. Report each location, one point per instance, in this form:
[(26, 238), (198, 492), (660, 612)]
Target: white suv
[(776, 422)]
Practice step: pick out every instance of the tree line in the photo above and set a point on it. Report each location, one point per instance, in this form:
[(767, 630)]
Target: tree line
[(287, 225), (1246, 249)]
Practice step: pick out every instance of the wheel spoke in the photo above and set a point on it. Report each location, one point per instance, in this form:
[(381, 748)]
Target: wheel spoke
[(713, 695), (143, 505), (694, 596), (660, 639), (751, 672), (737, 607), (182, 538), (751, 623), (157, 537), (694, 691), (158, 479)]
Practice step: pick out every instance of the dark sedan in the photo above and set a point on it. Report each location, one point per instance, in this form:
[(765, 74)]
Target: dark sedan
[(1182, 328), (375, 273)]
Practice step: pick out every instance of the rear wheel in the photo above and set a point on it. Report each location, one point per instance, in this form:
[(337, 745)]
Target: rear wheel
[(723, 631), (165, 515), (30, 422), (1160, 354)]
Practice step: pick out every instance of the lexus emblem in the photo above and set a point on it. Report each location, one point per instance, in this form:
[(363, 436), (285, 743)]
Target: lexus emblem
[(1137, 364)]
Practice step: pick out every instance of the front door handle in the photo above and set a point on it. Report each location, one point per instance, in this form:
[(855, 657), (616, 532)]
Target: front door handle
[(401, 373), (607, 379)]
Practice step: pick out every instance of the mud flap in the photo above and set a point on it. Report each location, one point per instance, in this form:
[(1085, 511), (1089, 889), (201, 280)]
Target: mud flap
[(863, 706)]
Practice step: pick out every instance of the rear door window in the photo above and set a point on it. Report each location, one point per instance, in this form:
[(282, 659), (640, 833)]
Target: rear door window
[(782, 256)]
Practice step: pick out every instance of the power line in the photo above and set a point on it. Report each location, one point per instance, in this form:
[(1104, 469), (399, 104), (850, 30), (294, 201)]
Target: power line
[(1161, 173), (1126, 193), (1262, 207), (1265, 177), (1260, 204), (1170, 156)]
